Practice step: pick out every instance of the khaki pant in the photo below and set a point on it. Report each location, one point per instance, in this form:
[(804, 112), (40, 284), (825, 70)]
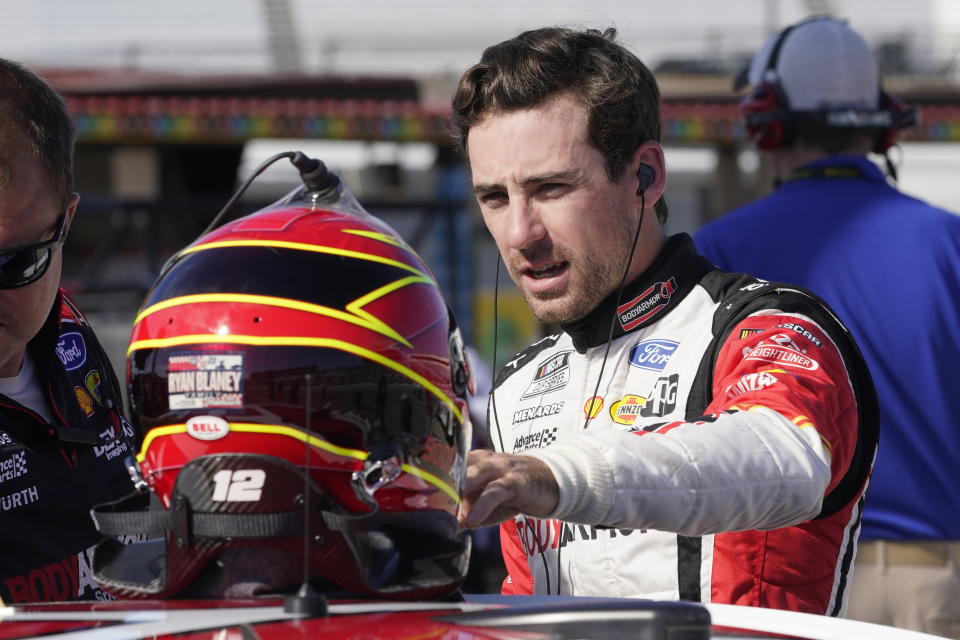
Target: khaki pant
[(911, 585)]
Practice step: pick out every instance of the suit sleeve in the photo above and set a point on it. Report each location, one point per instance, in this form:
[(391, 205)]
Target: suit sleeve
[(519, 580), (778, 434)]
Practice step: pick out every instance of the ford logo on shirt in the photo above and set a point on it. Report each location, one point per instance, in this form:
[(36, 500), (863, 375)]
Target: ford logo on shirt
[(652, 354), (71, 350)]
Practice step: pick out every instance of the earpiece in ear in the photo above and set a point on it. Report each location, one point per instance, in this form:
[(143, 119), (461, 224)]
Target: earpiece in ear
[(645, 177)]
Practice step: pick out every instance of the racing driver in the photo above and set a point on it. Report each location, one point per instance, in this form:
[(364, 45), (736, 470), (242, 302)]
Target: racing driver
[(686, 433)]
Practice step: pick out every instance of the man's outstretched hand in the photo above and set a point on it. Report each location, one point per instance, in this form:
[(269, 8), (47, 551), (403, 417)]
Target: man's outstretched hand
[(501, 485)]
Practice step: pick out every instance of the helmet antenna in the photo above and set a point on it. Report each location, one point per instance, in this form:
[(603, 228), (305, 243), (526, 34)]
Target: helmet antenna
[(317, 179), (306, 602)]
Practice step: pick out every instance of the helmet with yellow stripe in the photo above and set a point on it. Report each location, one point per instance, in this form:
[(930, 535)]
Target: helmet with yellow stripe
[(301, 385)]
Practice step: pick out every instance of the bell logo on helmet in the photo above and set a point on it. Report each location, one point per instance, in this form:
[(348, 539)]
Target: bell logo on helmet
[(207, 427)]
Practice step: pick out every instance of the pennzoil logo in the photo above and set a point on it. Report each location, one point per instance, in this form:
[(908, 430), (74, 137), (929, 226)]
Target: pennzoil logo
[(552, 375), (626, 409), (646, 305)]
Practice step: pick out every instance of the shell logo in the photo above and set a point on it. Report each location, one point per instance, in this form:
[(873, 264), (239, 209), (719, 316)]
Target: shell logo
[(626, 409), (207, 427), (84, 400), (592, 407)]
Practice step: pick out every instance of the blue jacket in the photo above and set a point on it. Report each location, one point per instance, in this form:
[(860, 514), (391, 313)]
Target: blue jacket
[(889, 265)]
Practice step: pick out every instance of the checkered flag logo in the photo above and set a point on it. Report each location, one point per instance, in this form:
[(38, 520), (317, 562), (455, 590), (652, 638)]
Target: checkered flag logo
[(548, 438), (20, 463), (13, 467)]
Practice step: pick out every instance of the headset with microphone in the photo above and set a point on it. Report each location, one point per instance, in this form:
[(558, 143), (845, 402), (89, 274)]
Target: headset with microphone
[(770, 120)]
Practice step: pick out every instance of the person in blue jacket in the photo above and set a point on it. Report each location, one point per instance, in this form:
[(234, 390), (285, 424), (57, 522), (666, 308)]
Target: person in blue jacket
[(889, 265)]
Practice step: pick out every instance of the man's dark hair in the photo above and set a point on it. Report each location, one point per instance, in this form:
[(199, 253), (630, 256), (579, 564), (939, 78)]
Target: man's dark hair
[(834, 140), (34, 120), (619, 92)]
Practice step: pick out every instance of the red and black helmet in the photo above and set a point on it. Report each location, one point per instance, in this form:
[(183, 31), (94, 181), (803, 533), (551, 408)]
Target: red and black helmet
[(303, 337)]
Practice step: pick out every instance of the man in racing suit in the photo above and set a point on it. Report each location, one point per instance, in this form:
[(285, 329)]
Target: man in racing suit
[(691, 434), (63, 439)]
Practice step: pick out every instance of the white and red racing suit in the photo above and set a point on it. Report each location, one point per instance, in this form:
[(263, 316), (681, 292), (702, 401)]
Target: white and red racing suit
[(718, 453)]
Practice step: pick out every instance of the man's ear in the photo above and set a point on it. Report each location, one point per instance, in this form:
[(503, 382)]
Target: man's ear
[(71, 210), (649, 170)]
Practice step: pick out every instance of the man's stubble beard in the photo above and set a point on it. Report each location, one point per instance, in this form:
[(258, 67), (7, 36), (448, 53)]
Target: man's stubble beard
[(591, 280)]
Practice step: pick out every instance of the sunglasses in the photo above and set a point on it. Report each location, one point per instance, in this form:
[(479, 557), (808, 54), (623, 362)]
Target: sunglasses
[(24, 265)]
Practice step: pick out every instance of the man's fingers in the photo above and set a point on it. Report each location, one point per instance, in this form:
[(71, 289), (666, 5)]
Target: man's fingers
[(478, 473), (500, 485), (482, 506)]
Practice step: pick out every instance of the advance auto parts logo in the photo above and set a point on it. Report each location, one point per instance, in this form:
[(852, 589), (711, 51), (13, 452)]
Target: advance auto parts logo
[(646, 305), (552, 374)]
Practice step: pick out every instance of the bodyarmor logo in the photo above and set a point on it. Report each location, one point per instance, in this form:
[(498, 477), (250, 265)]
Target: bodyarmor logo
[(67, 579), (537, 535), (13, 467), (652, 355), (662, 399), (646, 305), (532, 413), (71, 350), (536, 440), (552, 375)]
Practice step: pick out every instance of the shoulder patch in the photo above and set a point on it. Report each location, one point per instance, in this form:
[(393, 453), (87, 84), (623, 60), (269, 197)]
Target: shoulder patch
[(524, 357)]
